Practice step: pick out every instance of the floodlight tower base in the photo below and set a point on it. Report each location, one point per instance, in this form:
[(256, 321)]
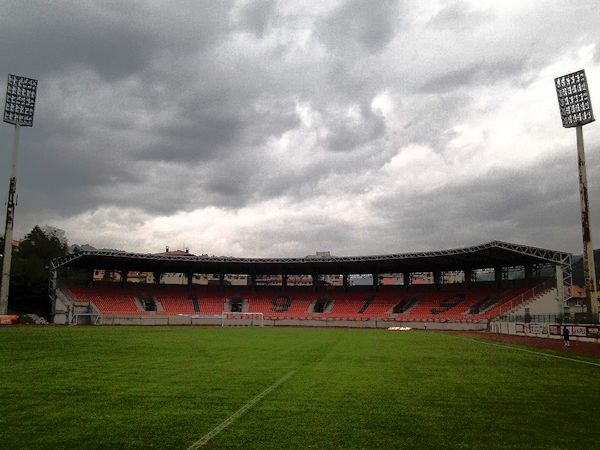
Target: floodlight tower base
[(589, 270), (8, 230)]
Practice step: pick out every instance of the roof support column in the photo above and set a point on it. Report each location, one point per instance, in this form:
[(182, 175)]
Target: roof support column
[(90, 274), (468, 276), (345, 281), (190, 279), (437, 275), (315, 281), (375, 281), (406, 279), (221, 280), (252, 279), (157, 276), (123, 274), (498, 276), (528, 269), (560, 290), (284, 280), (52, 294)]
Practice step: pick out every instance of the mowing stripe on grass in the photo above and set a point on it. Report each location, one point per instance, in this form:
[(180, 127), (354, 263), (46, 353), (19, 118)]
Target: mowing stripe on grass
[(236, 415), (549, 355)]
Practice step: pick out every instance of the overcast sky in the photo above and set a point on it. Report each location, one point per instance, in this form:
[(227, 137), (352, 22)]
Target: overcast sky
[(279, 128)]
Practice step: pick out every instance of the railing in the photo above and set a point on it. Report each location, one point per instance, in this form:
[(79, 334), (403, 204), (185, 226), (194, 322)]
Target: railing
[(533, 318), (518, 300)]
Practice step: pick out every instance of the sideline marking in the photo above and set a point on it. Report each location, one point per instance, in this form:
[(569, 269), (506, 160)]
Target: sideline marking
[(549, 355), (236, 415)]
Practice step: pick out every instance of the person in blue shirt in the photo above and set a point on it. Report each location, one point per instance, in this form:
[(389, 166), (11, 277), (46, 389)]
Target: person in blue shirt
[(565, 334)]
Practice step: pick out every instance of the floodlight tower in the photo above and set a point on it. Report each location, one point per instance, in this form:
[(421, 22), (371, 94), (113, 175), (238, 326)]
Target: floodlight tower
[(18, 111), (576, 110)]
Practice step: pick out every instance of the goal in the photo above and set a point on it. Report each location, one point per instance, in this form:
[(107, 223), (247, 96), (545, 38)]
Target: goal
[(242, 318)]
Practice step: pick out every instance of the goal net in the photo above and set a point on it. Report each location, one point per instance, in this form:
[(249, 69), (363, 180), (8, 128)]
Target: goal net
[(242, 318)]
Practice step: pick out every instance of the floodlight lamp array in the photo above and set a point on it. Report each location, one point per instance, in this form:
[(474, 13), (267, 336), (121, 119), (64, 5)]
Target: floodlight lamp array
[(20, 100), (574, 99)]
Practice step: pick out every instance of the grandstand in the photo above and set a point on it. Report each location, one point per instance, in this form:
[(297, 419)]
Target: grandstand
[(79, 296)]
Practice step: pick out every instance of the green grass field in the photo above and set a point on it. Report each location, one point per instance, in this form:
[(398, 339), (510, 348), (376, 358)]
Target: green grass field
[(155, 387)]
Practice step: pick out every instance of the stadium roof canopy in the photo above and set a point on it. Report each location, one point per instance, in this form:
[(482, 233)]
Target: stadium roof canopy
[(492, 254)]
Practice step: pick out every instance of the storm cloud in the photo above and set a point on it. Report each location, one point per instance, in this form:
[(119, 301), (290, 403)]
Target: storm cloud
[(278, 128)]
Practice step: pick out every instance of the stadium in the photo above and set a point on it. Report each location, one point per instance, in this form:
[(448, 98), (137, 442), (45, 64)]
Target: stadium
[(453, 299)]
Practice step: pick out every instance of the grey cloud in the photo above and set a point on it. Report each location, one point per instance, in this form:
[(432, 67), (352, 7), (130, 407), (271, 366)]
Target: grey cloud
[(66, 183), (256, 16), (204, 139), (517, 205), (348, 133), (458, 15), (252, 175), (113, 39), (429, 119), (293, 237), (55, 37), (359, 26), (206, 132), (166, 107), (482, 73)]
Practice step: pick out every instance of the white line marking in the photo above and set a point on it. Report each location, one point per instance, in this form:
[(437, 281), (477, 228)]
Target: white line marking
[(236, 415), (483, 341)]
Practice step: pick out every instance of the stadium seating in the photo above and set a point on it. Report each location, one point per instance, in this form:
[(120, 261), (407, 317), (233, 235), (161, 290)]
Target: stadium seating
[(420, 303), (108, 300), (278, 305), (175, 302), (211, 302)]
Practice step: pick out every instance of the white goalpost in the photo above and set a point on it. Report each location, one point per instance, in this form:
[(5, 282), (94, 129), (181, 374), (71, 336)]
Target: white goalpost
[(242, 318)]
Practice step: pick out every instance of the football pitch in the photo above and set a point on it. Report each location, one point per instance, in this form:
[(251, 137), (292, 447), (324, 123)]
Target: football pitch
[(182, 387)]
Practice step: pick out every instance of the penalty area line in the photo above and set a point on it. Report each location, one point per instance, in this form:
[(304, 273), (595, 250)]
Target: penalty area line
[(236, 415), (549, 355)]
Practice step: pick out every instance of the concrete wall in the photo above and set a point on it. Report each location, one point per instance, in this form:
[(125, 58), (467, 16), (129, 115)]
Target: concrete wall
[(578, 332), (372, 323), (62, 308), (377, 323), (547, 303)]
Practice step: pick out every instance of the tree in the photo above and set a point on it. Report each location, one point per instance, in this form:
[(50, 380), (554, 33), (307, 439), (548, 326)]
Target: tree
[(577, 269), (30, 273)]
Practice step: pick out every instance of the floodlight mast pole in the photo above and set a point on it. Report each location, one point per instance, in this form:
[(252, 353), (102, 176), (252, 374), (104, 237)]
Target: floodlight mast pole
[(589, 269), (8, 229), (575, 111), (18, 111)]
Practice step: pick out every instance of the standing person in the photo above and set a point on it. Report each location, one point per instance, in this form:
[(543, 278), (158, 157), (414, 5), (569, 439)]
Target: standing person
[(566, 336)]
